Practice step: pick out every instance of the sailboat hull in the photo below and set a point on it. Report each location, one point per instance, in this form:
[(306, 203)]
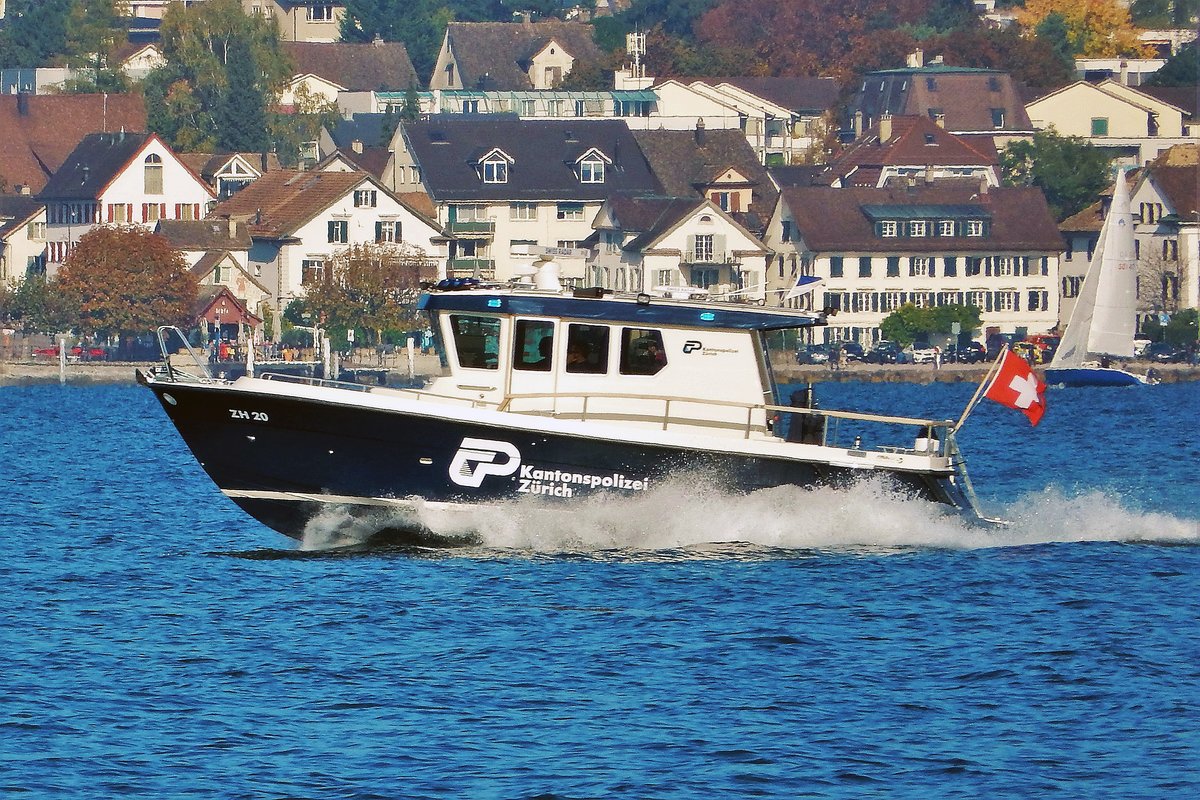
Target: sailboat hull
[(1092, 376)]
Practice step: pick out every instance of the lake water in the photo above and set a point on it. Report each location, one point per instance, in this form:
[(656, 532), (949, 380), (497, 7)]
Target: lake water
[(696, 643)]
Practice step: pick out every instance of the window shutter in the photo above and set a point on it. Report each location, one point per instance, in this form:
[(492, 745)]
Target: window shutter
[(691, 240), (162, 210), (893, 266), (145, 212), (195, 211), (719, 246), (110, 213), (988, 301), (397, 237), (129, 212), (987, 267), (378, 231)]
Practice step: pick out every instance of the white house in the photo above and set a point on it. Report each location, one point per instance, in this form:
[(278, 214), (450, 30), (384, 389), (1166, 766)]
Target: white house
[(299, 221), (22, 238), (646, 244), (876, 249), (122, 179)]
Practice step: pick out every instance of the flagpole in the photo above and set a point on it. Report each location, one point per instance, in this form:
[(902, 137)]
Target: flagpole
[(980, 389)]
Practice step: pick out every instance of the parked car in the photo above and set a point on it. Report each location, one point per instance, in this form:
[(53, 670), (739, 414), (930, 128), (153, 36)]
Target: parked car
[(76, 353), (969, 353), (886, 352), (812, 354), (1165, 353), (853, 350), (1140, 345), (921, 353)]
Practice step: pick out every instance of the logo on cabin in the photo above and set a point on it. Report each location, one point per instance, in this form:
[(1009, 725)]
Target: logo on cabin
[(478, 458), (691, 346)]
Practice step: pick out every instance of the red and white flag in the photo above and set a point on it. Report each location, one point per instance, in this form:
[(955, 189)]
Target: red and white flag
[(1017, 386)]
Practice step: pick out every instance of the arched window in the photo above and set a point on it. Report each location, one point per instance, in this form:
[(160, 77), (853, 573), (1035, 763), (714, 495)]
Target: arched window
[(154, 174)]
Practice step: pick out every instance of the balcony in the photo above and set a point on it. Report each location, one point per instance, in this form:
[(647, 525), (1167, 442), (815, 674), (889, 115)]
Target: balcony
[(483, 228), (471, 268), (707, 257)]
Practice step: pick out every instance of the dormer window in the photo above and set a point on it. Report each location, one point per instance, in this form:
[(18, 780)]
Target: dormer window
[(591, 166), (493, 167), (887, 228)]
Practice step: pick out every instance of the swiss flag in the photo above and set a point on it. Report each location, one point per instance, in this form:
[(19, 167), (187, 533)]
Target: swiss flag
[(1017, 386)]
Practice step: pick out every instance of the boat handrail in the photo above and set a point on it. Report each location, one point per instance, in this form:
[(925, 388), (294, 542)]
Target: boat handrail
[(172, 371)]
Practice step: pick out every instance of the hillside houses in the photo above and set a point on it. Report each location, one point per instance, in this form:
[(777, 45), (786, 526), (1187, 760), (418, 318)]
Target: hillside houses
[(511, 56)]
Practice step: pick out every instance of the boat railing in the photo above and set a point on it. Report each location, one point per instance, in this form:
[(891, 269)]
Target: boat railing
[(171, 370)]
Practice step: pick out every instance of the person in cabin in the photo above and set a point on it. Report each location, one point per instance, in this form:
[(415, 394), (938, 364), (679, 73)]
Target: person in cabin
[(546, 349), (577, 358)]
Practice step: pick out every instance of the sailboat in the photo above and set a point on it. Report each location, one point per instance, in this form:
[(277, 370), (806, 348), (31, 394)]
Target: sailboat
[(1103, 320)]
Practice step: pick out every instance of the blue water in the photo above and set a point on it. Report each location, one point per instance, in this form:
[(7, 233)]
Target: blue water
[(156, 643)]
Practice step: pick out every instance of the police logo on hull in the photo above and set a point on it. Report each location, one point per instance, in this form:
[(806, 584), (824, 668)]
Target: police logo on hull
[(476, 459)]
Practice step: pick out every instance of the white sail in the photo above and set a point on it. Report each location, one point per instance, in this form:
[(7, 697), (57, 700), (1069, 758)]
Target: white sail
[(1102, 323)]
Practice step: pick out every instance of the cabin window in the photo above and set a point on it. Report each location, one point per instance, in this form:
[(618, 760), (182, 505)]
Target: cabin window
[(533, 345), (642, 351), (587, 349), (476, 341)]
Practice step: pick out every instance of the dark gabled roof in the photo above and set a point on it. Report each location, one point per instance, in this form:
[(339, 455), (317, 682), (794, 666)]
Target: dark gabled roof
[(686, 163), (205, 234), (834, 220), (1090, 220), (365, 128), (212, 258), (375, 66), (965, 96), (37, 141), (1180, 185), (650, 217), (207, 165), (795, 175), (93, 164), (496, 55), (543, 152), (1182, 97), (371, 160), (795, 93), (15, 211)]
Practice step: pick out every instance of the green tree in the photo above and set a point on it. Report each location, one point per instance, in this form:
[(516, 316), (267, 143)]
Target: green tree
[(909, 324), (35, 31), (187, 97), (241, 112), (1164, 13), (370, 288), (1181, 69), (1069, 170), (94, 31), (419, 24), (411, 111), (38, 306), (677, 17), (126, 280), (1182, 330)]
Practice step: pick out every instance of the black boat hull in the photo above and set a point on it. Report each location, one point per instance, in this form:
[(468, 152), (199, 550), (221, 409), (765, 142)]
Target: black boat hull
[(284, 459)]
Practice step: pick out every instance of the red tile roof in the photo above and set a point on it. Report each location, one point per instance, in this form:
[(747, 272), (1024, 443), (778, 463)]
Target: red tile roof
[(38, 140), (279, 203)]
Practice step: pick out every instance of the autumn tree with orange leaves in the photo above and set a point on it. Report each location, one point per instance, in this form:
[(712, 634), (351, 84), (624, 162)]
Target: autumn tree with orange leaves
[(1095, 28), (127, 280)]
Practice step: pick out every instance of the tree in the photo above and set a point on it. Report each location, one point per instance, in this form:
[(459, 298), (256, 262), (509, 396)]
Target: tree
[(677, 17), (290, 131), (908, 323), (1182, 330), (372, 288), (241, 112), (1068, 169), (1029, 60), (94, 31), (1181, 69), (1095, 28), (126, 280), (419, 24), (1164, 13), (38, 306), (35, 31), (187, 97)]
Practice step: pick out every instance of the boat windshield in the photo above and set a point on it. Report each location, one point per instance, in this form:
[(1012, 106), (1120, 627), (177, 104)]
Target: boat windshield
[(778, 348)]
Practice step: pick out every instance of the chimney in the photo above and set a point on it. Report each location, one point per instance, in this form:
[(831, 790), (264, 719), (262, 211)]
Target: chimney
[(1124, 74), (357, 146), (983, 190), (262, 161), (377, 41), (916, 59), (23, 104), (232, 227), (858, 124), (23, 189), (940, 120), (258, 217), (885, 128), (700, 131)]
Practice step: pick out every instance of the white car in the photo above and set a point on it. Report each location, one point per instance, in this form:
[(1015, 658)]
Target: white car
[(922, 355)]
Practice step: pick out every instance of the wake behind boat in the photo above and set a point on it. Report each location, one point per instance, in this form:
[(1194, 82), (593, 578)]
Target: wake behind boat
[(1101, 327), (550, 394)]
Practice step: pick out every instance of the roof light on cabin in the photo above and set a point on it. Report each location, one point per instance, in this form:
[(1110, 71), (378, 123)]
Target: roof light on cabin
[(708, 316)]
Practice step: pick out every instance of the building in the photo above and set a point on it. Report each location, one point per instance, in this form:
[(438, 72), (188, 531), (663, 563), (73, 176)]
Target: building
[(1136, 123), (326, 70), (965, 101), (226, 173), (22, 238), (500, 185), (41, 131), (877, 249), (301, 20), (898, 151), (121, 179), (299, 221), (662, 244), (1166, 210), (511, 56)]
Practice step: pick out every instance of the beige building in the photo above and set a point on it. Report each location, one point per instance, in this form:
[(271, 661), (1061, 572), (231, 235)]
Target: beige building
[(301, 21)]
